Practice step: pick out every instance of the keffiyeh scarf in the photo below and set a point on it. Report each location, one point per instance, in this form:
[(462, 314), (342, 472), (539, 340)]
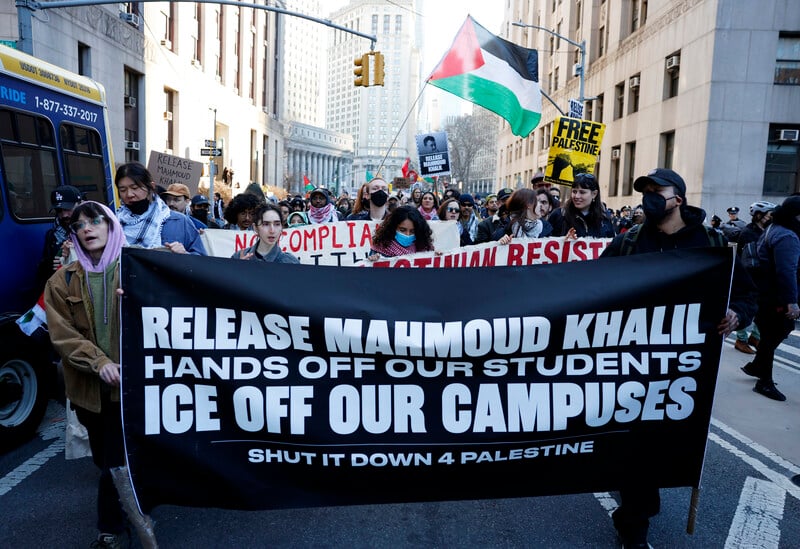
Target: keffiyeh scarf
[(144, 230)]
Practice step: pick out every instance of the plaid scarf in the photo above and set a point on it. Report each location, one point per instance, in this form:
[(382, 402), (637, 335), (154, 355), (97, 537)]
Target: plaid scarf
[(393, 249), (144, 230)]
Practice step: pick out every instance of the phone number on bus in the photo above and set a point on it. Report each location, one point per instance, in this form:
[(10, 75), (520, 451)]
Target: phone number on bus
[(65, 109)]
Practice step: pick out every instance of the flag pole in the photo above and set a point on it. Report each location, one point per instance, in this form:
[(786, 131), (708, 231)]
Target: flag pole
[(402, 125)]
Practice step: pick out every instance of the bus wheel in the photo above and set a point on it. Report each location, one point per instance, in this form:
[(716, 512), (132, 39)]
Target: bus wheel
[(23, 398)]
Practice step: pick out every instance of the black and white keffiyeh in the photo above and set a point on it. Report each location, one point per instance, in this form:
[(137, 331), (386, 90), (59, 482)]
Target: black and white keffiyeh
[(144, 230)]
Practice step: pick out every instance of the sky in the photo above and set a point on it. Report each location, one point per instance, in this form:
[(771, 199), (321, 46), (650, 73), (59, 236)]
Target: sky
[(441, 20)]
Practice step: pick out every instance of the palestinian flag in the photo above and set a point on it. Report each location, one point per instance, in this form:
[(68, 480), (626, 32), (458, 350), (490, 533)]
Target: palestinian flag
[(493, 73), (35, 318)]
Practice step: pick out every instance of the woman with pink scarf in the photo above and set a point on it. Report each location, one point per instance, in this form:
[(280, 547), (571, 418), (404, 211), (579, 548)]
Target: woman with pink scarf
[(428, 206)]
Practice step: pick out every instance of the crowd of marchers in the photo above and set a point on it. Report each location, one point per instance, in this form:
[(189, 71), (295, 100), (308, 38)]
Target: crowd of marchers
[(82, 304)]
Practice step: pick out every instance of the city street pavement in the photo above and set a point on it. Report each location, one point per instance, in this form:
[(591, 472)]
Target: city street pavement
[(774, 425)]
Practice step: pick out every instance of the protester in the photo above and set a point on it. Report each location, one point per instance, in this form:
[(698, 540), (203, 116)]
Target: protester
[(240, 212), (376, 198), (778, 254), (298, 204), (269, 226), (297, 219), (638, 215), (404, 231), (584, 214), (429, 204), (146, 220), (451, 192), (392, 203), (467, 221), (56, 241), (219, 207), (362, 200), (83, 320), (490, 206), (200, 209), (321, 208), (524, 221), (670, 223), (343, 207), (449, 210), (416, 195), (545, 204), (178, 198), (747, 339), (493, 228)]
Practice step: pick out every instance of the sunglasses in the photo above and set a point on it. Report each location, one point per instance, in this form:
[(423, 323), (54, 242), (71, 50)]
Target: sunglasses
[(78, 225), (453, 209)]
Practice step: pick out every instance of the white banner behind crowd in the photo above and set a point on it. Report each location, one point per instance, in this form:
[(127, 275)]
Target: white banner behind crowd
[(344, 243)]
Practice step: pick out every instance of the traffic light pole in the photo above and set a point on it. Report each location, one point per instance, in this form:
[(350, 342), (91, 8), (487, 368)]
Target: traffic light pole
[(26, 7), (580, 45)]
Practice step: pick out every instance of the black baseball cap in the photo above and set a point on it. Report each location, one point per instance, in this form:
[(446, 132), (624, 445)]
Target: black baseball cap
[(663, 178), (199, 199), (65, 197)]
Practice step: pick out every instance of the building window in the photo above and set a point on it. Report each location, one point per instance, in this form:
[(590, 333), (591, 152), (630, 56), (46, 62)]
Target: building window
[(84, 60), (638, 14), (613, 180), (374, 24), (672, 67), (386, 22), (787, 65), (398, 24), (578, 14), (169, 114), (781, 174), (630, 168), (633, 93), (667, 149), (601, 40), (599, 108), (555, 78), (619, 100)]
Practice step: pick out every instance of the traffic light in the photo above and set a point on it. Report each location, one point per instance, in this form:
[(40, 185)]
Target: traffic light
[(361, 71), (378, 69)]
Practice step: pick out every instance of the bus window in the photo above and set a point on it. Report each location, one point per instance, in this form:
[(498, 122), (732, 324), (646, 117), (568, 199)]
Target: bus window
[(83, 158), (29, 160)]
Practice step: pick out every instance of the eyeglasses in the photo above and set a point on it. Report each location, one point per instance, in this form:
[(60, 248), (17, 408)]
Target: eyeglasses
[(78, 225), (453, 209)]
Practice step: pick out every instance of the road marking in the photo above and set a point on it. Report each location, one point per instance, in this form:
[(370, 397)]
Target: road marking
[(607, 501), (30, 466), (758, 515), (791, 467), (781, 480)]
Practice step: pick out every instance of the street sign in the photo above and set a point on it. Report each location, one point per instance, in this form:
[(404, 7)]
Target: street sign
[(210, 143), (210, 152)]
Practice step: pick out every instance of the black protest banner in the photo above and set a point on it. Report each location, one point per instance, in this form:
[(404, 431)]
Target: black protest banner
[(301, 386)]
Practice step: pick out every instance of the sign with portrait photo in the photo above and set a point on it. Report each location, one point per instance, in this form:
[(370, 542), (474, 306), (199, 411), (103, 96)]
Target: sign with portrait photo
[(434, 158)]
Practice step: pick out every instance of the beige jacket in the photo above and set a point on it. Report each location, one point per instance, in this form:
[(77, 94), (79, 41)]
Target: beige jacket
[(70, 320)]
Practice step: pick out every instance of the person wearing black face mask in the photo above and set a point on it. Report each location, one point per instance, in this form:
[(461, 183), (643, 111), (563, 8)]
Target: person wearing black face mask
[(670, 223), (378, 195)]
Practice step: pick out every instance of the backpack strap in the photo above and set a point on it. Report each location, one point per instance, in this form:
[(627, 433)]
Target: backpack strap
[(629, 240)]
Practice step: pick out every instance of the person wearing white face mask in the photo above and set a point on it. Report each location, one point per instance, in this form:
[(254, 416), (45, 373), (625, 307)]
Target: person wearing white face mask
[(377, 194)]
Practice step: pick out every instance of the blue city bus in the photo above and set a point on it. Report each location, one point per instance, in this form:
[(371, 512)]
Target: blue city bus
[(53, 131)]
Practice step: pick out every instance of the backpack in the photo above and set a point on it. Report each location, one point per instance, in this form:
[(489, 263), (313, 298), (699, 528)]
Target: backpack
[(749, 256), (715, 239)]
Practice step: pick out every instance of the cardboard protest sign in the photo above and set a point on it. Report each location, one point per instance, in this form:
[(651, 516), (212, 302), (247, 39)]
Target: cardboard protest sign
[(434, 158), (268, 394), (574, 147), (342, 243), (168, 169)]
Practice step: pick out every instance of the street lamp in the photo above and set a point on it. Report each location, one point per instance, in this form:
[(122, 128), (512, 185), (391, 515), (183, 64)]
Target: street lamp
[(578, 69)]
